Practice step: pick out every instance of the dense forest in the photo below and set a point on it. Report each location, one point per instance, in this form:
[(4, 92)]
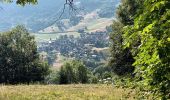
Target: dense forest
[(138, 56)]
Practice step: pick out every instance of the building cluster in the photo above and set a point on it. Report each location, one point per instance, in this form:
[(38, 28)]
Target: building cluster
[(78, 48)]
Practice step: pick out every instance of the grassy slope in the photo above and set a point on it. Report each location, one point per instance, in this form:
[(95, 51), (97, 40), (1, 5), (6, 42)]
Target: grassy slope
[(64, 92), (92, 21)]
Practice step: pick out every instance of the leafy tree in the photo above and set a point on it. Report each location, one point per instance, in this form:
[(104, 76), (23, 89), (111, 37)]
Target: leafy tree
[(63, 76), (101, 70), (82, 73), (94, 80), (19, 60), (127, 10), (121, 59), (73, 72), (52, 77), (152, 65), (70, 73)]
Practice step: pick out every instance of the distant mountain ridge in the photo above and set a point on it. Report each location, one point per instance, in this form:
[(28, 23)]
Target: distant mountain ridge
[(41, 16)]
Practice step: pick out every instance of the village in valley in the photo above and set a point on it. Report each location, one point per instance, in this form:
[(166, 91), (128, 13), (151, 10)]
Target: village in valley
[(91, 48)]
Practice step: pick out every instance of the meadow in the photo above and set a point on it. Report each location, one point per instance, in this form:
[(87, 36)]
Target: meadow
[(65, 92)]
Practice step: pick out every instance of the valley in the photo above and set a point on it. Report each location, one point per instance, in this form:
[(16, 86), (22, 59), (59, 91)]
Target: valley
[(84, 50)]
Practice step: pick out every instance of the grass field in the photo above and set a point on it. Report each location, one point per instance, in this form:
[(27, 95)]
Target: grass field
[(64, 92), (93, 25)]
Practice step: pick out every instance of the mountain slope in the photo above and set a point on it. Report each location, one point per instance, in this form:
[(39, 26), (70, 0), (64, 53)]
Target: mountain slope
[(43, 15)]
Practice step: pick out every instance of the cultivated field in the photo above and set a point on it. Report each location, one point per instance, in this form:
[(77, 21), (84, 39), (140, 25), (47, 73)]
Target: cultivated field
[(64, 92)]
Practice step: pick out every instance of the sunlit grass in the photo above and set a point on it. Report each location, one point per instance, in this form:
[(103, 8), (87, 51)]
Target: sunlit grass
[(64, 92)]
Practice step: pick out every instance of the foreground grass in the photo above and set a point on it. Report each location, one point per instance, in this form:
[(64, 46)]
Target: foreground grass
[(64, 92)]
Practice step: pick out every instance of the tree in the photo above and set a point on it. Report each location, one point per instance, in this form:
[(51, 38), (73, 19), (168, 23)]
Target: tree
[(73, 72), (122, 59), (19, 60), (62, 76), (82, 73), (127, 10), (67, 74), (152, 65)]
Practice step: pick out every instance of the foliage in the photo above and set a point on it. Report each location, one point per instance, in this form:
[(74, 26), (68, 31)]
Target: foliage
[(94, 80), (73, 72), (66, 75), (151, 28), (127, 10), (22, 2), (19, 60), (52, 77), (82, 73), (121, 59), (102, 72)]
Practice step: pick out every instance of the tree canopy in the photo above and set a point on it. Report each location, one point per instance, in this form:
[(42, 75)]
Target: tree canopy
[(73, 72), (19, 59), (121, 59), (151, 28)]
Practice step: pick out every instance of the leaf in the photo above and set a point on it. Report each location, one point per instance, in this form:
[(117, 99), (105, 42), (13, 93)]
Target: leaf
[(157, 5)]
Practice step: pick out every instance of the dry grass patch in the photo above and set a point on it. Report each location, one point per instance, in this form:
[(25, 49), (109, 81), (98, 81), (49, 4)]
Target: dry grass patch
[(64, 92)]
